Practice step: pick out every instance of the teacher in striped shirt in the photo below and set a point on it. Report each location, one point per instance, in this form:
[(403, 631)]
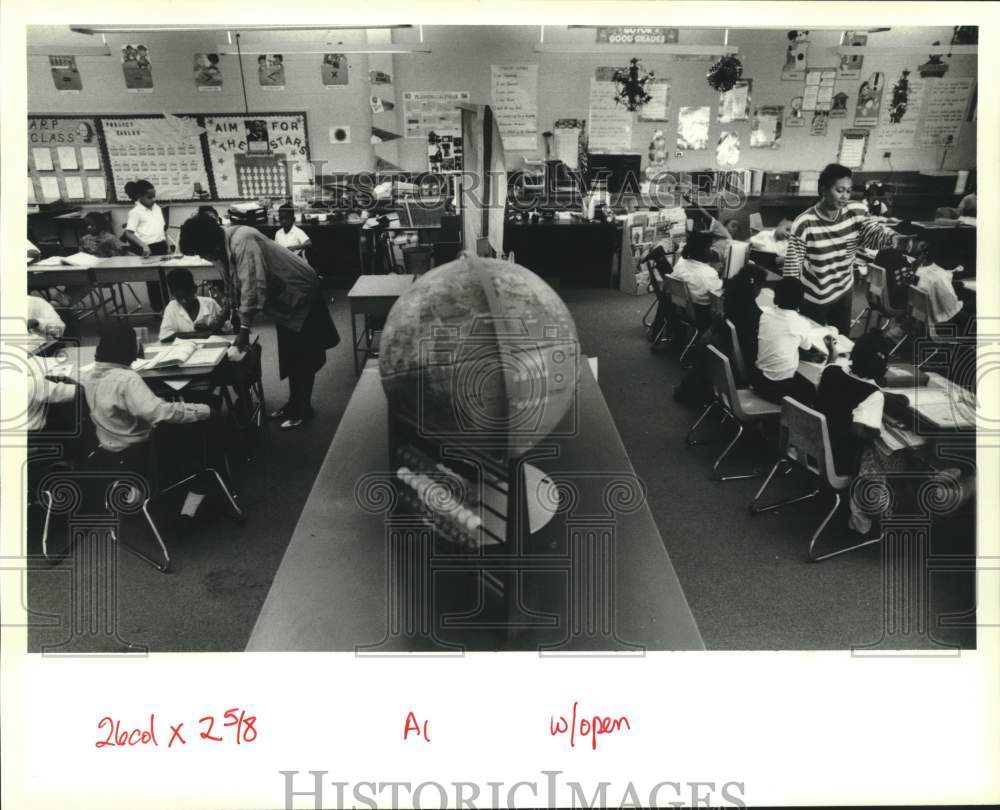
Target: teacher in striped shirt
[(821, 247)]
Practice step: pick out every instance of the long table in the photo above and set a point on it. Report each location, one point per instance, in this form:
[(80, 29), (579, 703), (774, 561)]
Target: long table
[(330, 592)]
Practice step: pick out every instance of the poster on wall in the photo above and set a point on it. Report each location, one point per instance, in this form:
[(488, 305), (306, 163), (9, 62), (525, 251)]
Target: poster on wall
[(658, 107), (636, 36), (165, 151), (795, 117), (610, 128), (567, 133), (137, 68), (444, 152), (727, 151), (285, 137), (853, 146), (851, 63), (207, 73), (334, 70), (765, 131), (734, 105), (796, 53), (427, 111), (898, 118), (658, 155), (945, 102), (271, 71), (820, 122), (692, 127), (64, 150), (866, 111), (65, 76), (818, 94), (514, 91)]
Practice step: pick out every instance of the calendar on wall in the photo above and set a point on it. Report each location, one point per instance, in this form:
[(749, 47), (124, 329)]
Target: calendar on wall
[(262, 176), (246, 151)]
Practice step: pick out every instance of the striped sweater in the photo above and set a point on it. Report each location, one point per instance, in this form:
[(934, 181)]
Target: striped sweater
[(821, 253)]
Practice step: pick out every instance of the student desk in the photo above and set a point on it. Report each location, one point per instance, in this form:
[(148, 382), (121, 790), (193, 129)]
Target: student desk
[(78, 283), (372, 297), (330, 592)]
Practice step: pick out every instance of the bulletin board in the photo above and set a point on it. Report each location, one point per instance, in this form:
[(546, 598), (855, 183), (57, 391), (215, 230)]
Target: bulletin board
[(167, 150), (263, 154), (66, 160)]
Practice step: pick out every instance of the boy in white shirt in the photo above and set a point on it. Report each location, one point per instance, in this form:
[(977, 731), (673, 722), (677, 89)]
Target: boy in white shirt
[(701, 278), (290, 235), (782, 335), (938, 282), (773, 240), (188, 315)]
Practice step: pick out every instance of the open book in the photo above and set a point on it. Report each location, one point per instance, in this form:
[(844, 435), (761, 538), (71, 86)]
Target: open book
[(76, 260), (181, 354)]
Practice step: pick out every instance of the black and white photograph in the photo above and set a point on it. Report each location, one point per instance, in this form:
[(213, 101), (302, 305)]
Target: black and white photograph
[(394, 458)]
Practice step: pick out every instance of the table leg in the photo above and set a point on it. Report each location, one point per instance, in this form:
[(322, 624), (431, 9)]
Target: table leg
[(354, 342)]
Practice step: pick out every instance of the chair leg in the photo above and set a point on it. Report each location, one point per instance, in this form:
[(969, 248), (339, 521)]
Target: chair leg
[(899, 343), (717, 476), (813, 557), (230, 496), (928, 357), (756, 510), (692, 442), (164, 567), (863, 314), (45, 527), (687, 348), (645, 318)]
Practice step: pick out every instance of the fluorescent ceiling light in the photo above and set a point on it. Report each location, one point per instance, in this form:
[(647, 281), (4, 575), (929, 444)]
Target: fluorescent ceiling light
[(165, 29), (69, 50), (230, 50)]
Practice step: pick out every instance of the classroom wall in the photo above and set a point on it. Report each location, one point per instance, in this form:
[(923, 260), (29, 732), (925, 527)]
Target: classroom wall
[(462, 57), (461, 60)]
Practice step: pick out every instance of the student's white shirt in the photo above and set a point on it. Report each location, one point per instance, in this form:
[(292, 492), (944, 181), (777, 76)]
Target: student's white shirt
[(176, 319), (49, 322), (781, 334), (42, 391), (147, 223), (291, 240), (869, 411), (700, 278), (765, 241), (936, 282)]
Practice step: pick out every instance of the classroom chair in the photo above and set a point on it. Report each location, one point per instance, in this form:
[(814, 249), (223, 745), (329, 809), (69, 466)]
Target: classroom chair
[(736, 356), (243, 393), (139, 467), (739, 405), (680, 298), (804, 443), (919, 310), (715, 305), (656, 329), (418, 259), (878, 303)]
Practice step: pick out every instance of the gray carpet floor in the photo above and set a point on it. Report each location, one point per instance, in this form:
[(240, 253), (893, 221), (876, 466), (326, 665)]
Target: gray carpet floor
[(747, 579)]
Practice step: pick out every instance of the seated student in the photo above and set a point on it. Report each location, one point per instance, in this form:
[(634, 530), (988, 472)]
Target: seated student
[(783, 333), (99, 239), (740, 306), (934, 275), (967, 209), (211, 211), (43, 320), (853, 403), (188, 315), (290, 235), (123, 408), (701, 278), (873, 200), (773, 240), (899, 266)]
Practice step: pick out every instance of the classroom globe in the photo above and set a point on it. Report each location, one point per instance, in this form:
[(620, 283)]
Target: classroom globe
[(480, 350)]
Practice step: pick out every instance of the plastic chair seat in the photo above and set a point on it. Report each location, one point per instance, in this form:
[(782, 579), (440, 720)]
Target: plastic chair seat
[(754, 406)]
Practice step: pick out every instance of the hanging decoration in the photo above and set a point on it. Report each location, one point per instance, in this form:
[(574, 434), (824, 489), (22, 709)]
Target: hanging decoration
[(724, 74), (631, 87)]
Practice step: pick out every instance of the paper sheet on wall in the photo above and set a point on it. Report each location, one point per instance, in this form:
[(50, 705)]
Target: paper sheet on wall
[(74, 188), (96, 188), (515, 104), (945, 100), (901, 107), (657, 108), (32, 199), (852, 148), (692, 127), (90, 158), (43, 159), (727, 152), (610, 128), (766, 127), (567, 141), (818, 93), (50, 189), (67, 157), (427, 111), (734, 105)]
